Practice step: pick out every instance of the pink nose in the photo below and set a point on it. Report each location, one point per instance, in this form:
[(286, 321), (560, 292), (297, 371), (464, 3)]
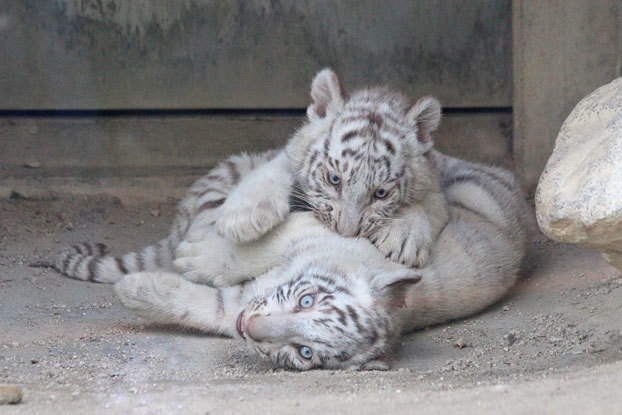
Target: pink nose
[(270, 328)]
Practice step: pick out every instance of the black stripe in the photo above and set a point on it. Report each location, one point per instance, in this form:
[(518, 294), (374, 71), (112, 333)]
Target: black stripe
[(375, 119), (211, 204), (121, 265), (389, 146), (386, 161), (213, 177), (350, 135), (220, 302), (326, 146), (67, 261), (313, 157), (342, 315), (79, 249), (233, 171), (79, 262), (101, 249), (92, 269), (140, 262), (402, 248), (325, 279), (352, 312), (210, 189), (347, 152)]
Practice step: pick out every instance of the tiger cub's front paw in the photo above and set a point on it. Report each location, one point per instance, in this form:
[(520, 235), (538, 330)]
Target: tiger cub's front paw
[(249, 220), (403, 244)]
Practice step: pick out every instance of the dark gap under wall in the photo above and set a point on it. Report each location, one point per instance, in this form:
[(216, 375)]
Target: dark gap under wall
[(273, 112)]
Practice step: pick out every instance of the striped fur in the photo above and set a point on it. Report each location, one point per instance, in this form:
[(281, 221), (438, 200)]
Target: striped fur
[(375, 145), (199, 209), (362, 164), (361, 300), (468, 237)]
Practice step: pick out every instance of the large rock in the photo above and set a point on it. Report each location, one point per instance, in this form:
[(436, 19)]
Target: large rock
[(579, 196)]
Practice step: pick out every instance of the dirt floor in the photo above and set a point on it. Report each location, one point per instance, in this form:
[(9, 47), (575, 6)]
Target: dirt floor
[(554, 345)]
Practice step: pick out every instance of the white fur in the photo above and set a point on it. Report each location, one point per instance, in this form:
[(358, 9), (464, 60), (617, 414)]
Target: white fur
[(258, 203)]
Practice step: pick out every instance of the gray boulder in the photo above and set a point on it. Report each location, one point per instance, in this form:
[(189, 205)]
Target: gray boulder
[(579, 196)]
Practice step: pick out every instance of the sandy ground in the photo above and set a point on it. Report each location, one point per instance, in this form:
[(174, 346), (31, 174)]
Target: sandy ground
[(553, 346)]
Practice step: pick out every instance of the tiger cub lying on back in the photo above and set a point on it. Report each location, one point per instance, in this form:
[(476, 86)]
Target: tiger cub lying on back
[(317, 299), (363, 163)]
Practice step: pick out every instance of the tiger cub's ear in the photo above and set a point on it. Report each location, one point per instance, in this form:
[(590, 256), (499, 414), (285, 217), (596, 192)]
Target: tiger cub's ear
[(394, 285), (326, 93), (425, 116)]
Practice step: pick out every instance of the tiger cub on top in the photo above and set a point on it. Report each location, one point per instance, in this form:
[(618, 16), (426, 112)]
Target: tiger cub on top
[(363, 163)]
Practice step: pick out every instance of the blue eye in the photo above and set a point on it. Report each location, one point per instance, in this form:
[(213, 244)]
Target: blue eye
[(381, 193), (305, 352), (306, 301), (333, 179)]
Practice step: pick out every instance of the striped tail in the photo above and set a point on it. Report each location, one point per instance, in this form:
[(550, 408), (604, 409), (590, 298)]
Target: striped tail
[(89, 262)]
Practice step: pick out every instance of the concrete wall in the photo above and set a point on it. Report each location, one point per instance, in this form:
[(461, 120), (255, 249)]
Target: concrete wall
[(563, 50), (481, 58), (112, 54)]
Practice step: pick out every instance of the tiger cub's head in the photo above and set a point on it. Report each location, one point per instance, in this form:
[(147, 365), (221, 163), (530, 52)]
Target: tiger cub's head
[(360, 157), (323, 319)]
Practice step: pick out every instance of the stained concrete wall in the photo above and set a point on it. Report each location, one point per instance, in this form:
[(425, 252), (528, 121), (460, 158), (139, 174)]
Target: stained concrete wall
[(539, 57), (112, 54), (563, 50)]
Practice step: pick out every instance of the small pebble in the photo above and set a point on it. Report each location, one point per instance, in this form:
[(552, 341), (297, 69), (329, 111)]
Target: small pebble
[(506, 308), (10, 394), (32, 164), (155, 212), (461, 343), (509, 338)]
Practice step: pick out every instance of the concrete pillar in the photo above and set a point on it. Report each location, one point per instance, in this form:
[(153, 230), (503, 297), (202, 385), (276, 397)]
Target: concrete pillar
[(562, 50)]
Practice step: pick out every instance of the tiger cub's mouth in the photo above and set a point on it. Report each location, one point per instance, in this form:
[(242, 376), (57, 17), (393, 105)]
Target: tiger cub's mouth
[(239, 325)]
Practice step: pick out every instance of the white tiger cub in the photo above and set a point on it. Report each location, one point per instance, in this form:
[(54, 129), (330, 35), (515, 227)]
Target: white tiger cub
[(319, 300), (308, 297), (362, 163)]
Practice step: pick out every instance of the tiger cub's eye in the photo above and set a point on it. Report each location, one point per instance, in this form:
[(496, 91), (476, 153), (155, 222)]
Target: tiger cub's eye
[(333, 179), (381, 193), (305, 352), (306, 301)]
